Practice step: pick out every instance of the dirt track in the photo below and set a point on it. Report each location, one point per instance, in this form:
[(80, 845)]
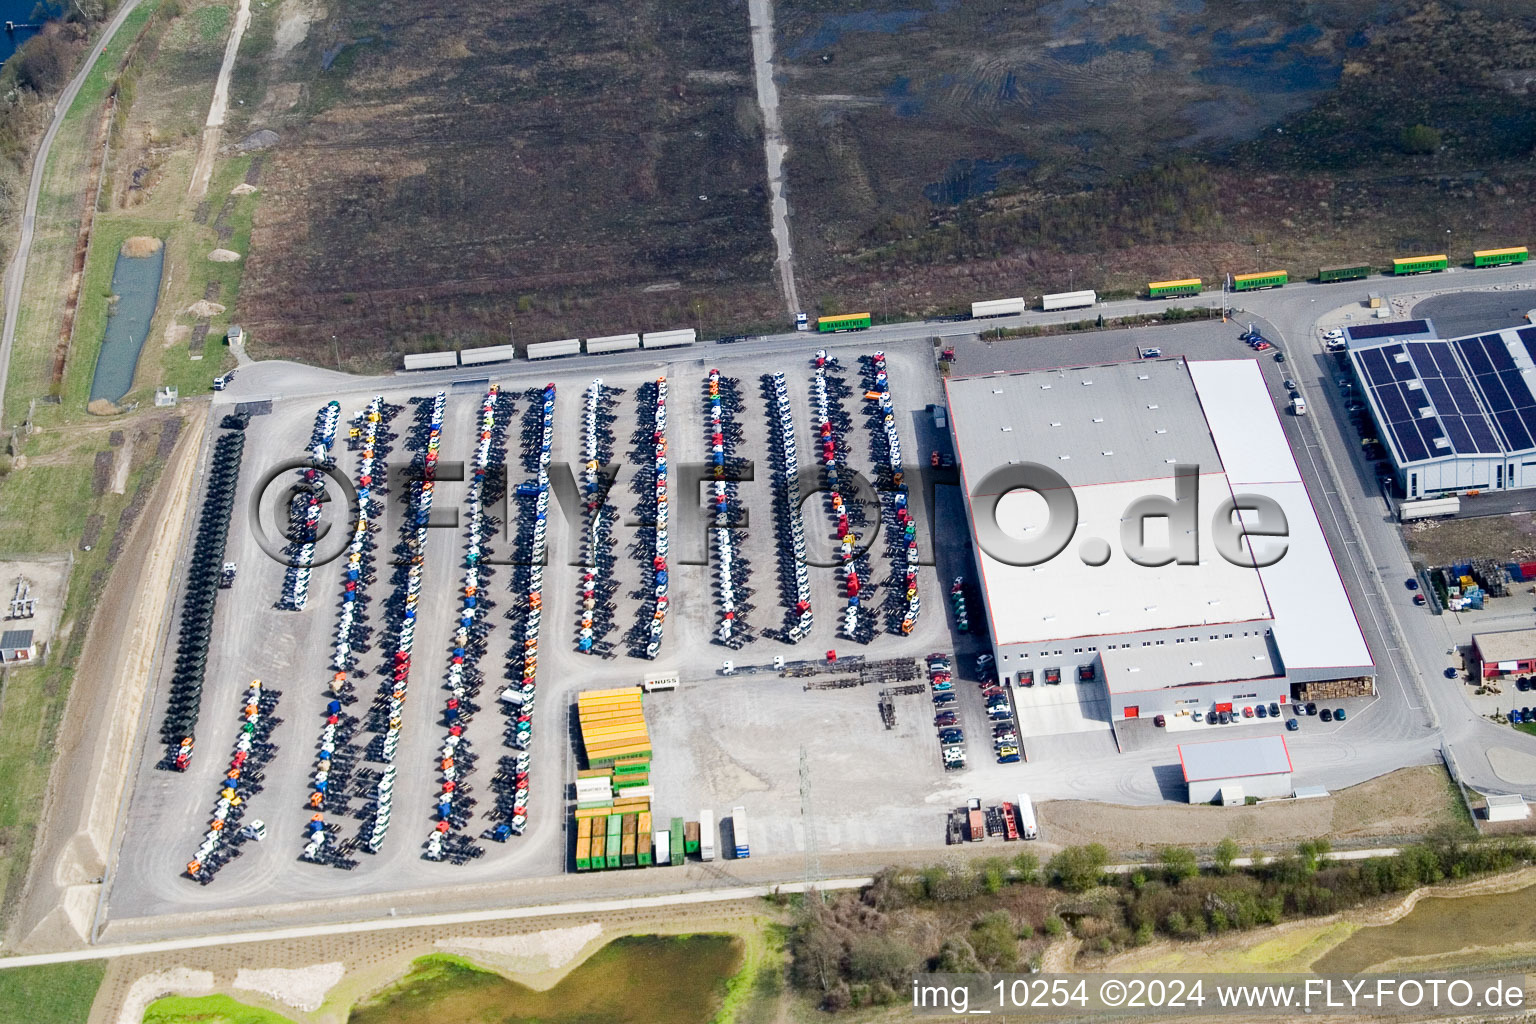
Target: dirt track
[(106, 700)]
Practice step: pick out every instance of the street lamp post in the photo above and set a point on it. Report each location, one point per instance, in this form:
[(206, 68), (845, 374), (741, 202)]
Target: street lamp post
[(335, 347)]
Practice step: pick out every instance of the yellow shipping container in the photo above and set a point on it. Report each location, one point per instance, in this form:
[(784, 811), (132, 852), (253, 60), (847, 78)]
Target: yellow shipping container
[(583, 828)]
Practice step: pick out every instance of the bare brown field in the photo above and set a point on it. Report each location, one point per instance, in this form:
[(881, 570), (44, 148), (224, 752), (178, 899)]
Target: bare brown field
[(1509, 538), (971, 150), (538, 165)]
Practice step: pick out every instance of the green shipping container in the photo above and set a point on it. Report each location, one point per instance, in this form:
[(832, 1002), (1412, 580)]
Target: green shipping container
[(643, 851), (691, 837), (598, 860), (637, 768), (621, 783), (677, 840), (1328, 274), (583, 854)]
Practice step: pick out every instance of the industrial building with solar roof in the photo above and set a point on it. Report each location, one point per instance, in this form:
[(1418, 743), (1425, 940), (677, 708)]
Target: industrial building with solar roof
[(1455, 415), (1090, 645)]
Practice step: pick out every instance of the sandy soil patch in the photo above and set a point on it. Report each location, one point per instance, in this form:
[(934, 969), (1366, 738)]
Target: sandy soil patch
[(1410, 801), (521, 954), (175, 981), (142, 245), (177, 334), (303, 988), (245, 188), (224, 256), (293, 21), (202, 307)]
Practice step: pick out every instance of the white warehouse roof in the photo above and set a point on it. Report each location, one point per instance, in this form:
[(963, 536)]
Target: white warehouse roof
[(1066, 598), (1234, 759), (1315, 624)]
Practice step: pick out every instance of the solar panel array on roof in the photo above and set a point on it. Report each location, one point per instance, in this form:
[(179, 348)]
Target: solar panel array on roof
[(1504, 391), (1399, 329), (1412, 427), (1528, 339), (1451, 394)]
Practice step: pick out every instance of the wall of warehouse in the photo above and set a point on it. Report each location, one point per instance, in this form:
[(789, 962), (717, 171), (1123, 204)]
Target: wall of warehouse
[(1202, 697), (1263, 786)]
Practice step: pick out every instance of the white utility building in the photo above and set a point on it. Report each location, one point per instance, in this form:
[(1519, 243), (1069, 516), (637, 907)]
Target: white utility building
[(1230, 771)]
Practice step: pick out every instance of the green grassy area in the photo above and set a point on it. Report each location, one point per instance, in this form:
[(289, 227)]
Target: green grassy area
[(46, 500), (216, 1009), (52, 994), (211, 23)]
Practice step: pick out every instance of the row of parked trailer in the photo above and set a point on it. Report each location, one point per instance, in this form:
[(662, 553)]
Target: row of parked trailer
[(628, 841), (518, 699), (721, 441), (597, 586), (333, 758), (791, 524), (1401, 266), (239, 783), (201, 593), (831, 444), (304, 508), (463, 676), (902, 541)]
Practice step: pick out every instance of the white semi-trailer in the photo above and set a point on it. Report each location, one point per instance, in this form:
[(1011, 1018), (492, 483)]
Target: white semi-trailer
[(1026, 814), (431, 360), (996, 307), (739, 832), (669, 339), (1410, 510), (549, 349), (488, 354), (706, 835), (613, 343), (1068, 300)]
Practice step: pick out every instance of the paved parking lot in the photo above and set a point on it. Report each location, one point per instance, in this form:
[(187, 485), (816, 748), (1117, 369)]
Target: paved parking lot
[(719, 740)]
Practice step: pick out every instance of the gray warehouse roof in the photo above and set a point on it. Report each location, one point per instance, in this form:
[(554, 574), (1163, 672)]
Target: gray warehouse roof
[(1234, 759), (1091, 424), (14, 639), (1510, 645), (1129, 669)]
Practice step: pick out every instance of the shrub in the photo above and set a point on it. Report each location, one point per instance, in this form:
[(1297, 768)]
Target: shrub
[(1226, 852), (1026, 868), (1055, 927), (1419, 139), (1079, 868), (995, 942), (957, 956), (1178, 863)]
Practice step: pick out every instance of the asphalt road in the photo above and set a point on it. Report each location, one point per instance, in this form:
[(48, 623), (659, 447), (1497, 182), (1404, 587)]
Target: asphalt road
[(16, 273)]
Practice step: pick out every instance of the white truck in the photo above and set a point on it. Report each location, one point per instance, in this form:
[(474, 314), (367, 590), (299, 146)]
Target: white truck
[(706, 835), (1298, 406)]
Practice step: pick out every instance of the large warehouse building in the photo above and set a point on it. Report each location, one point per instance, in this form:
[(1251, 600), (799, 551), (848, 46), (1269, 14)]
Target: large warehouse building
[(1455, 416), (1091, 636)]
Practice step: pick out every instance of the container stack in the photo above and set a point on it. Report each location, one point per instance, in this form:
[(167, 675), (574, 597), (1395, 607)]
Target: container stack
[(613, 794)]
